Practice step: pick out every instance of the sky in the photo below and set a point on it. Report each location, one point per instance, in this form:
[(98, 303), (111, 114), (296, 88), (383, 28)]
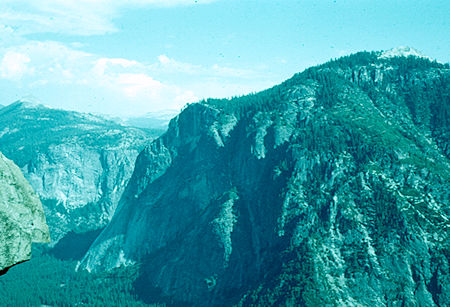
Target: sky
[(130, 57)]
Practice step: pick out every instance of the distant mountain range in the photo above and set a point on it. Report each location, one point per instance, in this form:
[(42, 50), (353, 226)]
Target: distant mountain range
[(78, 163), (152, 120), (331, 188)]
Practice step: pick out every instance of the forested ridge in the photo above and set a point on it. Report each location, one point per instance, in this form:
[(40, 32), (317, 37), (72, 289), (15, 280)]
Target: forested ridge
[(330, 188)]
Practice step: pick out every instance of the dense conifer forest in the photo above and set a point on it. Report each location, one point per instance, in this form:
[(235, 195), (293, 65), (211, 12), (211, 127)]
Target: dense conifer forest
[(46, 280)]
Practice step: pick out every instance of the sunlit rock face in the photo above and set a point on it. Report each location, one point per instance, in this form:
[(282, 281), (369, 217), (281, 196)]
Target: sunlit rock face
[(22, 219), (78, 164), (329, 189)]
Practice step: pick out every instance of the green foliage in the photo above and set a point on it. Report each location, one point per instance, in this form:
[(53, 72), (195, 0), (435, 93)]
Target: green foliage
[(332, 76), (362, 58), (369, 139), (44, 280), (240, 106), (411, 63)]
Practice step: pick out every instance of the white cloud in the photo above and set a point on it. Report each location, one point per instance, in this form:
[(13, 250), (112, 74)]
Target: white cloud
[(169, 65), (128, 86), (90, 82), (102, 64), (77, 17), (136, 85), (56, 17), (165, 60), (93, 83), (186, 97), (14, 65), (49, 61)]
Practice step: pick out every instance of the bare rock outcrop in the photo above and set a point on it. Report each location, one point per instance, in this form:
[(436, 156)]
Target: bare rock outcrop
[(22, 219)]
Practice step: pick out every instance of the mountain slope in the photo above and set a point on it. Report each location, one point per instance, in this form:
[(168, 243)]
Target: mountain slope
[(22, 219), (152, 120), (78, 163), (329, 188)]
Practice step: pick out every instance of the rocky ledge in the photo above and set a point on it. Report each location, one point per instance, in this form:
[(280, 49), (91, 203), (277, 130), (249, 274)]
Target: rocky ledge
[(22, 219)]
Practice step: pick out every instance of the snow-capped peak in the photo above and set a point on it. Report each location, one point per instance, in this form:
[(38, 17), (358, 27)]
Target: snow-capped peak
[(403, 51)]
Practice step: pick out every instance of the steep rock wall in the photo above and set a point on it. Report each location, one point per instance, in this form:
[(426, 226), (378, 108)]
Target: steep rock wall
[(22, 219), (79, 164), (326, 189)]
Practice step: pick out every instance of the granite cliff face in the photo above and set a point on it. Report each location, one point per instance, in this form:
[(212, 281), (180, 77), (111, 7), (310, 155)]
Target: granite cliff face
[(331, 188), (22, 219), (79, 164)]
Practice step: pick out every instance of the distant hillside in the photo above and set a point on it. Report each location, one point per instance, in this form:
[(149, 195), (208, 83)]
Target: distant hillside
[(78, 163), (331, 188), (152, 121)]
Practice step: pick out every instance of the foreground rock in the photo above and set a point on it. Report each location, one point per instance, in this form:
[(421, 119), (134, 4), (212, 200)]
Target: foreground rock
[(329, 189), (22, 219)]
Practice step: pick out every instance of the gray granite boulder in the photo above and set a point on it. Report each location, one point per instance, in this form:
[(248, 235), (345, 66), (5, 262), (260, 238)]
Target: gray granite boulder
[(22, 219)]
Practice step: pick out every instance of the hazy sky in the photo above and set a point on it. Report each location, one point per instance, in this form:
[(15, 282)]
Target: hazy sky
[(135, 56)]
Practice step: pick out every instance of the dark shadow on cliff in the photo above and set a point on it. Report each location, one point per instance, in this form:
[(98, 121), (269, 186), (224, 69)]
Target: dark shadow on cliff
[(74, 245)]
